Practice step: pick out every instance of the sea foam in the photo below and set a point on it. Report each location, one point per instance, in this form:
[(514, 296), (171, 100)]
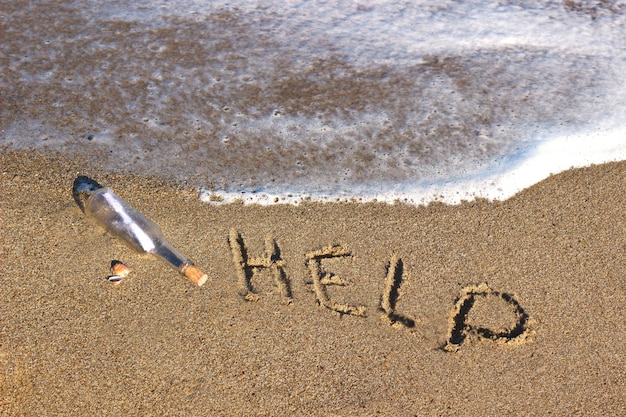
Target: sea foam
[(270, 102)]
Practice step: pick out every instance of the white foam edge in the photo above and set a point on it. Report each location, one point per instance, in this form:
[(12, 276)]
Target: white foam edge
[(547, 158)]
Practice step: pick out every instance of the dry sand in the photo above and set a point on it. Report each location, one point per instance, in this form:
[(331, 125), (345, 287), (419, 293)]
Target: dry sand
[(545, 336)]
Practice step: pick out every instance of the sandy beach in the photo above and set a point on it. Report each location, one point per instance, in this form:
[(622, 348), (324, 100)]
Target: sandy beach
[(503, 308)]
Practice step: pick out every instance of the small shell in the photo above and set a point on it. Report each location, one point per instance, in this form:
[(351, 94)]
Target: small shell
[(119, 269), (115, 279)]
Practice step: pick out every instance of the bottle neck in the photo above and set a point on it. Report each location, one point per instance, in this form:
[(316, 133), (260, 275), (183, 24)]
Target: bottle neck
[(166, 251)]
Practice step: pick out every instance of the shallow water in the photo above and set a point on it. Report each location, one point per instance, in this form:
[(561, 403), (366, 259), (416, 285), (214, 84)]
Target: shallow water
[(280, 101)]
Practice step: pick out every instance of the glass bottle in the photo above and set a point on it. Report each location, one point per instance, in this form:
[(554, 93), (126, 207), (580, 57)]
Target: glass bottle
[(136, 230)]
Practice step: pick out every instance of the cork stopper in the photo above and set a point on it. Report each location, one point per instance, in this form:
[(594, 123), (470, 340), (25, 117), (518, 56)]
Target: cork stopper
[(195, 275)]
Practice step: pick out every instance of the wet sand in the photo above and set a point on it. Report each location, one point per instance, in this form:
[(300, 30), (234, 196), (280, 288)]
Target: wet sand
[(511, 307)]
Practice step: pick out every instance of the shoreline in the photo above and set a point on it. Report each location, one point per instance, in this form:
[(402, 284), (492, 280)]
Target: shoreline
[(365, 334)]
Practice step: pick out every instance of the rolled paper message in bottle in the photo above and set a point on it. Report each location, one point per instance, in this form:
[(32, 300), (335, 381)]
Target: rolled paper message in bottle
[(136, 230)]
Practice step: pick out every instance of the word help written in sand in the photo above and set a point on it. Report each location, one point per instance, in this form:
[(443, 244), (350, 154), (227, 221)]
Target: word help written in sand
[(460, 324)]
